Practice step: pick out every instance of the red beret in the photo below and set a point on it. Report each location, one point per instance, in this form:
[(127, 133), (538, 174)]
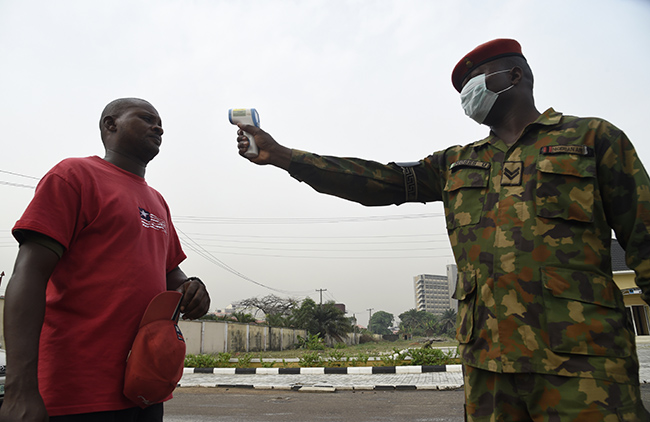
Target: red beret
[(482, 54)]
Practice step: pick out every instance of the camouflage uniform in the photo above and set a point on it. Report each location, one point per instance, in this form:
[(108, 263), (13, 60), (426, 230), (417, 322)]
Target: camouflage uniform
[(530, 229)]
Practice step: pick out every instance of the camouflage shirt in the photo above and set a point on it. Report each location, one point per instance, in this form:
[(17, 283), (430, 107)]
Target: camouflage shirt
[(530, 226)]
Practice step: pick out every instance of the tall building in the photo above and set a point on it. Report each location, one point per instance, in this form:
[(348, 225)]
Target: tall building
[(433, 292), (452, 277)]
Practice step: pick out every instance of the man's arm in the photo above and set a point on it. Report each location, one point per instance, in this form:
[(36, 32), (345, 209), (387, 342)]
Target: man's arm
[(196, 300), (23, 319)]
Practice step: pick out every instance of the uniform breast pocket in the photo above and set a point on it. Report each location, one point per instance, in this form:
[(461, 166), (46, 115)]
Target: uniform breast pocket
[(466, 190), (565, 187)]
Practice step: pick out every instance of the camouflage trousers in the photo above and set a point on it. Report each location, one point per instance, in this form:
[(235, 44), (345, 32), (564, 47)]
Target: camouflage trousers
[(497, 397)]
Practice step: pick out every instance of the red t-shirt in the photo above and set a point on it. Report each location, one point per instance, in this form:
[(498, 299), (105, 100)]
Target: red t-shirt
[(120, 243)]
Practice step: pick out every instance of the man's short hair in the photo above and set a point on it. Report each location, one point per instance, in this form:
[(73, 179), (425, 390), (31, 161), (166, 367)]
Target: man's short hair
[(116, 107)]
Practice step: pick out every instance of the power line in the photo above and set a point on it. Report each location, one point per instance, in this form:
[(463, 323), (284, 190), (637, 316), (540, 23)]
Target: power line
[(346, 257), (262, 236), (334, 250), (308, 242), (17, 185), (211, 258), (20, 175), (293, 220)]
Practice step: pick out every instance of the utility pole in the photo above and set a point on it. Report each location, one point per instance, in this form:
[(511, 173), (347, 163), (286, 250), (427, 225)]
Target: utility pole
[(321, 295), (369, 316)]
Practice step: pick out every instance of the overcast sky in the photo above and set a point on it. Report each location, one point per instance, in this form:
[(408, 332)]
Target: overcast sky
[(369, 79)]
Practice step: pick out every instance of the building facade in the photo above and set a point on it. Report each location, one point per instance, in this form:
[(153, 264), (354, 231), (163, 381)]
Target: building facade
[(433, 292)]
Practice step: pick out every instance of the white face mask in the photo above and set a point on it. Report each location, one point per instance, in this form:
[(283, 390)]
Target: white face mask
[(476, 99)]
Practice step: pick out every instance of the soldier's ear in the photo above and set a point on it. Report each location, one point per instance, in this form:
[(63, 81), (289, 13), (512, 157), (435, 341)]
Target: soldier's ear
[(516, 75)]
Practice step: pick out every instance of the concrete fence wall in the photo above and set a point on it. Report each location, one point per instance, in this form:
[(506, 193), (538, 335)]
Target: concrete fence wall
[(224, 336), (221, 336)]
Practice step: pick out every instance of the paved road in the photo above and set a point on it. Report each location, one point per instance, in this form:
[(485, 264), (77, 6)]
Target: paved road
[(251, 405), (424, 397), (197, 404), (355, 382)]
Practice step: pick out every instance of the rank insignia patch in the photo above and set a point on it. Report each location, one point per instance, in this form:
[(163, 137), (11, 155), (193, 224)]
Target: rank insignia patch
[(512, 172)]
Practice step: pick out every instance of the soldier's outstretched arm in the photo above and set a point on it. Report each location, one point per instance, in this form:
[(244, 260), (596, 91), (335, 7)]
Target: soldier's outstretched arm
[(270, 152)]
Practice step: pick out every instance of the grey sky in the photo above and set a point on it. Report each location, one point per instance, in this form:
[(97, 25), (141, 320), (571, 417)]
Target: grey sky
[(354, 78)]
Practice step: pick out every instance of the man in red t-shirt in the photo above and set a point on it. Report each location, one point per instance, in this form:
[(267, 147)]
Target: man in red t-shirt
[(96, 245)]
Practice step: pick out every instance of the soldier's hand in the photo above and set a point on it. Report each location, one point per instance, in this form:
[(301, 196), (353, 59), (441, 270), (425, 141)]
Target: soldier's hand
[(270, 152)]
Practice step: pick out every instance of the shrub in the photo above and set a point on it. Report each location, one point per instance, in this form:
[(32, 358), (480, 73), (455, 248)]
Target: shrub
[(361, 359), (335, 357), (267, 364), (244, 361), (428, 356), (220, 360), (393, 359), (311, 359), (311, 342)]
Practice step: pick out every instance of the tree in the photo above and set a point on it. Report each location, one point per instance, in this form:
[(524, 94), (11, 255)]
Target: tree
[(269, 305), (243, 317), (322, 320), (417, 322), (277, 320), (380, 321), (431, 324), (448, 322)]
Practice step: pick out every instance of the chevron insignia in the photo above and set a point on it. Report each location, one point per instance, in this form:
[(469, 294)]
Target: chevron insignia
[(512, 171)]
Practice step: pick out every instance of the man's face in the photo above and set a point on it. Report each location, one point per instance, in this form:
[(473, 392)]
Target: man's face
[(139, 130)]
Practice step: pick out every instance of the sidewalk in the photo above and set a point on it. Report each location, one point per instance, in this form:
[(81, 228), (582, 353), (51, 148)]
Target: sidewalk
[(353, 378)]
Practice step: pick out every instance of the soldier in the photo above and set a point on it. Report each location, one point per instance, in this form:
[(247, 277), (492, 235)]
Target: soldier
[(529, 210)]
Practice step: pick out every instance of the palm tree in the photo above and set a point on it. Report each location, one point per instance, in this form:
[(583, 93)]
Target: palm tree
[(322, 320), (276, 320), (243, 317), (448, 321), (332, 322), (431, 324)]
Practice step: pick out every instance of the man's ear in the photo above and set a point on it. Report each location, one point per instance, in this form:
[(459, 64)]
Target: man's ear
[(108, 124)]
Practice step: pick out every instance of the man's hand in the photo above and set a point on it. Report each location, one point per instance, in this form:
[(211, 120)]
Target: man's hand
[(196, 300), (270, 152), (24, 406)]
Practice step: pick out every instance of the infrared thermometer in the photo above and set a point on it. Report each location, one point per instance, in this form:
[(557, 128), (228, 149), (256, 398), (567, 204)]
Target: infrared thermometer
[(246, 116)]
